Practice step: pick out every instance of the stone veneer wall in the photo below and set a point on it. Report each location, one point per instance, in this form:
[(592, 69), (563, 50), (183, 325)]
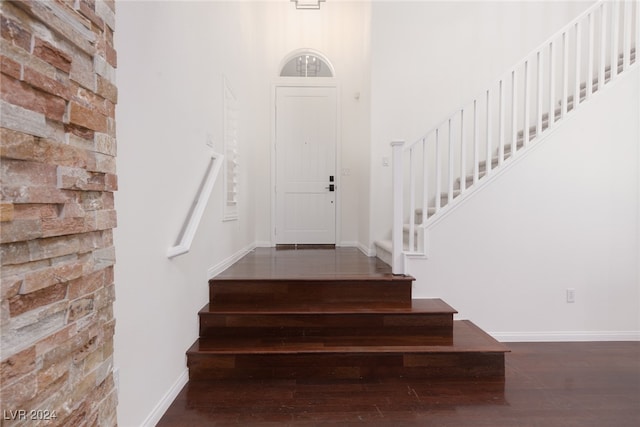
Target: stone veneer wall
[(58, 170)]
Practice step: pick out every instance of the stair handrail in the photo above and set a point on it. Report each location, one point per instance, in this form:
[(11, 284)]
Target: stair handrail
[(609, 51), (197, 208), (571, 23)]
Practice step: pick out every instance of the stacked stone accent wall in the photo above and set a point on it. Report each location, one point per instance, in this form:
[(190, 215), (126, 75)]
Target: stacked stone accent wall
[(58, 171)]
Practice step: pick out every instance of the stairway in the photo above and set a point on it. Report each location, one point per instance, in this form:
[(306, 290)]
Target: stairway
[(335, 328), (384, 247)]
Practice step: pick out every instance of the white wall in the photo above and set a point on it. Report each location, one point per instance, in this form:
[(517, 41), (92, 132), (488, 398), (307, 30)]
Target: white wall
[(565, 216), (340, 30), (172, 57), (429, 58), (170, 76)]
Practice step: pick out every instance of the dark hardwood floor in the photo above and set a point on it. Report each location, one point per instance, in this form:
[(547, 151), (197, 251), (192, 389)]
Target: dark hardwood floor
[(546, 384), (308, 307), (270, 263)]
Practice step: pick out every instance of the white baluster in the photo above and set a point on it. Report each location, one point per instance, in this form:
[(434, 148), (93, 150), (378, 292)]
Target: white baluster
[(603, 45), (565, 72), (527, 102), (552, 84), (412, 203), (438, 172), (626, 31), (501, 123), (615, 29), (637, 31), (425, 183), (540, 92), (463, 155), (476, 164), (576, 96), (590, 59), (489, 133), (397, 266), (514, 113), (450, 186)]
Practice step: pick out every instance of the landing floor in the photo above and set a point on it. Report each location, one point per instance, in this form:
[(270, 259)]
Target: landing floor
[(546, 384), (271, 263)]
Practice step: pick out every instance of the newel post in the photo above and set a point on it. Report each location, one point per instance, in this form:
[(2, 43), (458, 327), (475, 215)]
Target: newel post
[(397, 266)]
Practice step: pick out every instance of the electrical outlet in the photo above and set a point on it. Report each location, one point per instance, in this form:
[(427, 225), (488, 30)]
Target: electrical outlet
[(209, 140), (385, 161), (571, 295)]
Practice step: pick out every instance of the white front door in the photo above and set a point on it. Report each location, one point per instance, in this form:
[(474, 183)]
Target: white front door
[(306, 135)]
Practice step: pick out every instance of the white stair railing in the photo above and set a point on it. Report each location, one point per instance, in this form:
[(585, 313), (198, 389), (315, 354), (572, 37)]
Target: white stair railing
[(437, 171)]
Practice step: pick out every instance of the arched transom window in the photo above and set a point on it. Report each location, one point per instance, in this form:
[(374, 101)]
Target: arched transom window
[(306, 63)]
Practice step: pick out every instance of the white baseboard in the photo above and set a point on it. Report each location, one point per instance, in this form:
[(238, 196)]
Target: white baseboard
[(365, 250), (229, 261), (362, 248), (344, 244), (158, 411), (571, 336), (154, 417), (168, 398)]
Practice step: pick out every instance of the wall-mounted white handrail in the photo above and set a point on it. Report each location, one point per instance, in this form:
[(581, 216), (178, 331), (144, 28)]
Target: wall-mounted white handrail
[(192, 221), (518, 108)]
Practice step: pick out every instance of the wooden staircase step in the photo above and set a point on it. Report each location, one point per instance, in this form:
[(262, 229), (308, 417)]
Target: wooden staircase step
[(282, 293), (422, 317), (467, 337), (348, 318), (321, 344), (469, 352), (416, 306)]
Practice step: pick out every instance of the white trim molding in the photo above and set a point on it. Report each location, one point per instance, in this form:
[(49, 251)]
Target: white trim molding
[(306, 51), (229, 261), (566, 336), (365, 249), (158, 411), (307, 4)]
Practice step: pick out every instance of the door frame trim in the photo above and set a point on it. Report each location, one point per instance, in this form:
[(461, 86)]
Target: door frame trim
[(302, 82)]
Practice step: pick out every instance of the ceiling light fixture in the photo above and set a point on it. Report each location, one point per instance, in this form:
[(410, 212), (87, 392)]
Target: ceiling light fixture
[(308, 4)]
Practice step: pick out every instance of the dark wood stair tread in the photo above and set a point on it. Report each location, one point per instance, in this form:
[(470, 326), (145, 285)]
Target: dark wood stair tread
[(417, 306), (303, 291), (319, 279), (467, 337), (337, 314), (270, 264)]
